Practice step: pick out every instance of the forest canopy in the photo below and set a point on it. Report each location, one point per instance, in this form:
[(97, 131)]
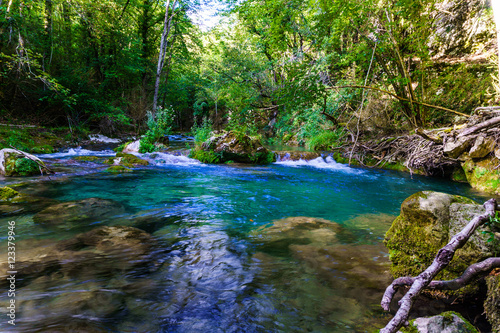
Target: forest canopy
[(292, 70)]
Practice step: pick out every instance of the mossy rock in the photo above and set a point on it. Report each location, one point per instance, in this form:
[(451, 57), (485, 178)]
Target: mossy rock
[(87, 158), (483, 174), (14, 163), (428, 220), (127, 160), (233, 146), (8, 194), (118, 169), (492, 303)]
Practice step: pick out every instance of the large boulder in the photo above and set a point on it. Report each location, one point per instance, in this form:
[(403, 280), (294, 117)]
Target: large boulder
[(16, 163), (233, 146), (428, 220), (482, 147), (455, 147), (75, 213)]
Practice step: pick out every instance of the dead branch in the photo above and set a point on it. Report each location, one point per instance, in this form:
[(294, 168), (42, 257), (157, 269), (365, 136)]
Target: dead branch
[(485, 124), (424, 135), (442, 259)]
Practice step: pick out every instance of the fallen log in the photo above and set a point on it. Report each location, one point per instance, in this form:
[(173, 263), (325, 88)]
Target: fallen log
[(485, 124), (442, 259)]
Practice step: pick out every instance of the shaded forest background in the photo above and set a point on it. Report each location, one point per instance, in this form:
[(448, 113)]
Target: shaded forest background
[(294, 71)]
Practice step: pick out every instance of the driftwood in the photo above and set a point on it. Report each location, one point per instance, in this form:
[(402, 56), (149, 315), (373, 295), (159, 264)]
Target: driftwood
[(442, 259), (485, 124)]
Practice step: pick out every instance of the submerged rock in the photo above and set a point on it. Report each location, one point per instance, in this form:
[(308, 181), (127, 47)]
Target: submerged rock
[(426, 223), (118, 169), (16, 163), (297, 230), (235, 147), (78, 212), (13, 202), (101, 252), (127, 160), (447, 322)]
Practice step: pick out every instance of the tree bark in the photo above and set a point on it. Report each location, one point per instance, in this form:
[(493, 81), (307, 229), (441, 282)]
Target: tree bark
[(442, 259), (480, 126), (163, 49)]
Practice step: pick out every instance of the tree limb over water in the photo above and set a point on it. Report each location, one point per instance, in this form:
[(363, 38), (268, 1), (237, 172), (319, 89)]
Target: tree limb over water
[(442, 259)]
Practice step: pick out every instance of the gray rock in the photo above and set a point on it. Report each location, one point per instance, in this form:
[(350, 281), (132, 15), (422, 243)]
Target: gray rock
[(70, 214), (482, 147), (448, 322), (454, 148)]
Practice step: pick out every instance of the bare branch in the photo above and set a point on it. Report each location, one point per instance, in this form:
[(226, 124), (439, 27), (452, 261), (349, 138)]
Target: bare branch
[(442, 259), (485, 124)]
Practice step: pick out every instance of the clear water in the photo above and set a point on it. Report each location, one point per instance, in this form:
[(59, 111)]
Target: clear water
[(213, 271)]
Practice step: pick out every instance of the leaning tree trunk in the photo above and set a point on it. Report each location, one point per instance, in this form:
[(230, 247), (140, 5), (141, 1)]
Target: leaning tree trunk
[(163, 49)]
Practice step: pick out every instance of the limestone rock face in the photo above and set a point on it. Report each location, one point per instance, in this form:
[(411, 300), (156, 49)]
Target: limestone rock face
[(70, 214), (448, 322), (482, 147), (426, 223), (241, 148), (13, 163), (483, 174)]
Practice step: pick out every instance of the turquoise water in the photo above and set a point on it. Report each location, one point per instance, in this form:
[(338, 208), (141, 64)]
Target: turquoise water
[(213, 271)]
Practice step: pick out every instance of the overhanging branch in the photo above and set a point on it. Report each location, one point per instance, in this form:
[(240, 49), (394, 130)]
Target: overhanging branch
[(402, 98)]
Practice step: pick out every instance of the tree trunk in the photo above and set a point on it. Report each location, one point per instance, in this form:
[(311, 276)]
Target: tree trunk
[(163, 49), (47, 54)]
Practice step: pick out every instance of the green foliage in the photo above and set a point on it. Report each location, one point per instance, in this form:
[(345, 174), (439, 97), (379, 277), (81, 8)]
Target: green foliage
[(159, 126), (26, 167), (326, 140), (493, 226), (203, 132), (209, 157)]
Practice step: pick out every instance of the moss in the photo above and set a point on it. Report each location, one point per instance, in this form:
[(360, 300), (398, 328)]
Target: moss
[(483, 174), (35, 140), (209, 157), (7, 194), (87, 158), (26, 167), (120, 148), (118, 169), (458, 175), (411, 328), (128, 160), (417, 234), (492, 303)]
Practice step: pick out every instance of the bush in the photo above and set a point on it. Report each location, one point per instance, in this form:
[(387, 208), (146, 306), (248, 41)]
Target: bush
[(159, 126), (203, 132), (326, 140)]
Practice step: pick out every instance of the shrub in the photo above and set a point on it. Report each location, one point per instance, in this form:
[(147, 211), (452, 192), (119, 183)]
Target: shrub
[(159, 126), (326, 140)]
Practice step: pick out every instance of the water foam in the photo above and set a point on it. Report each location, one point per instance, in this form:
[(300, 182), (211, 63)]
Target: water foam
[(71, 152), (164, 159), (320, 163)]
